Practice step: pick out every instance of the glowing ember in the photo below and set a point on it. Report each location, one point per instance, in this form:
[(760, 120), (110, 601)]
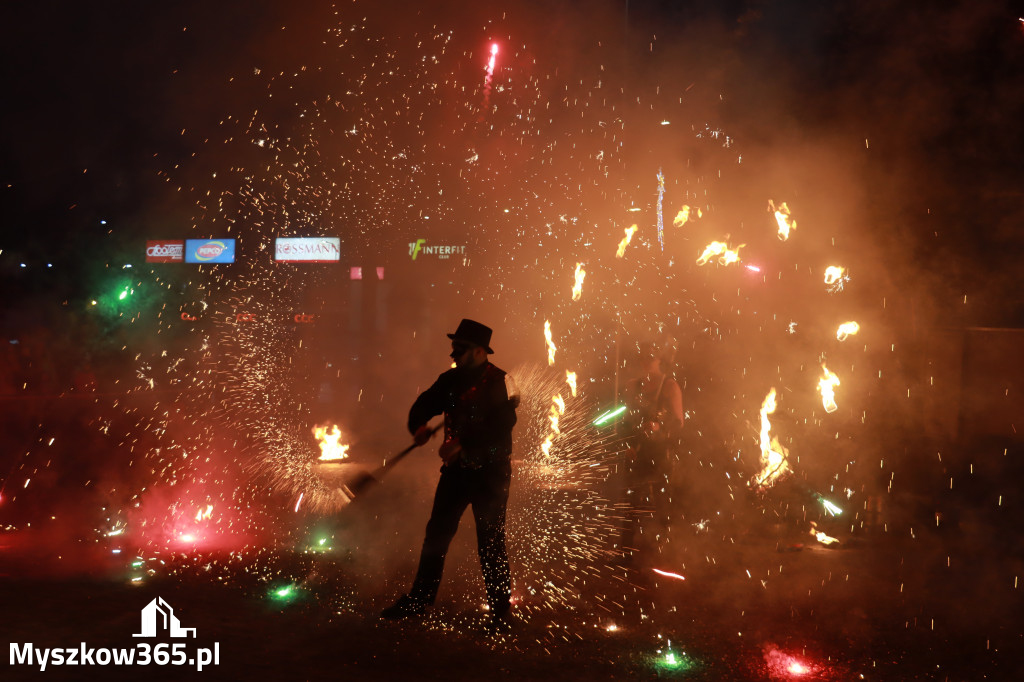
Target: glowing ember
[(846, 329), (625, 241), (684, 216), (826, 386), (668, 574), (577, 289), (551, 344), (773, 455), (570, 378), (833, 274), (784, 220), (330, 446), (721, 249)]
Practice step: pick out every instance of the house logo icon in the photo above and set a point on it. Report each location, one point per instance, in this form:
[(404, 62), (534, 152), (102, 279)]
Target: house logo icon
[(158, 616)]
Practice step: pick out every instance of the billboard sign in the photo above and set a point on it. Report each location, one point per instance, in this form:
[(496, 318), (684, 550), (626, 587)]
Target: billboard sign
[(165, 251), (441, 252), (209, 250), (307, 249)]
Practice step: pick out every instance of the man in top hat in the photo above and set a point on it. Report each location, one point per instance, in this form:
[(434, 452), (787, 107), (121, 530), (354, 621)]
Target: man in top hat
[(479, 403)]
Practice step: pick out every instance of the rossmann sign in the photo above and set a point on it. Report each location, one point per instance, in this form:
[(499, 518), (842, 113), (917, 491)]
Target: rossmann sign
[(307, 249), (165, 251), (209, 250)]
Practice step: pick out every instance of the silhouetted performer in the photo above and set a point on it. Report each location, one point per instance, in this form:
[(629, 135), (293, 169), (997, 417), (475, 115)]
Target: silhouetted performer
[(479, 403), (655, 404)]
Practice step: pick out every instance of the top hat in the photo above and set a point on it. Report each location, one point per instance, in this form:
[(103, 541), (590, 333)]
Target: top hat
[(473, 332)]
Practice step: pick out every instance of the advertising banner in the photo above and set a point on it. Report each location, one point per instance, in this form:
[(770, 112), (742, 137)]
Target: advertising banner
[(209, 250), (165, 251), (307, 249)]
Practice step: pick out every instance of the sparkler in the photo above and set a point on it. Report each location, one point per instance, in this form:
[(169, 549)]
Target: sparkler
[(826, 386), (661, 222), (625, 242), (609, 415), (551, 344), (668, 574), (577, 289), (721, 249), (847, 329)]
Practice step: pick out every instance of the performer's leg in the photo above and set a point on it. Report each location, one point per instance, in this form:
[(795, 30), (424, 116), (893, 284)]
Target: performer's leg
[(450, 500), (490, 501)]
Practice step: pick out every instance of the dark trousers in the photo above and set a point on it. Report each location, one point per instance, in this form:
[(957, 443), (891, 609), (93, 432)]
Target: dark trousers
[(486, 490)]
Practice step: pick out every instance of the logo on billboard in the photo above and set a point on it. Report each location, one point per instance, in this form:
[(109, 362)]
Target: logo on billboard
[(163, 251), (209, 250), (420, 248), (307, 249)]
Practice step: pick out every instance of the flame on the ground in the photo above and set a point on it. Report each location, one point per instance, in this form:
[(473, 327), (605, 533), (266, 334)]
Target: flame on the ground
[(722, 250), (783, 219), (773, 456), (821, 537), (833, 274), (577, 289), (551, 344), (684, 216), (331, 447), (625, 241), (826, 386), (570, 378), (847, 329)]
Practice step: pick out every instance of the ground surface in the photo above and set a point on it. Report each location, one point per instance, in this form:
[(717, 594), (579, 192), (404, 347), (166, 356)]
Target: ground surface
[(933, 607)]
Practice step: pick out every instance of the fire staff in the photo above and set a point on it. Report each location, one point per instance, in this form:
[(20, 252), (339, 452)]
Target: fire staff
[(479, 403)]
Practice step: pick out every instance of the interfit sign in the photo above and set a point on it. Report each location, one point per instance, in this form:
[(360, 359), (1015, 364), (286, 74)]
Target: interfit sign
[(165, 251), (209, 250), (307, 249), (421, 248)]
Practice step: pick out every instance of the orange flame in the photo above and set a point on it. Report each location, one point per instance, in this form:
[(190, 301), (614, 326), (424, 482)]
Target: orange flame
[(847, 329), (330, 445), (721, 249), (570, 378), (826, 386), (551, 344), (204, 513), (773, 455), (557, 409), (546, 445), (684, 216), (784, 220), (625, 242), (833, 274), (823, 538), (577, 289)]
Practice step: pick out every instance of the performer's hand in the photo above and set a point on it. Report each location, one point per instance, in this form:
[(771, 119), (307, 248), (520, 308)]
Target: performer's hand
[(450, 450), (422, 435)]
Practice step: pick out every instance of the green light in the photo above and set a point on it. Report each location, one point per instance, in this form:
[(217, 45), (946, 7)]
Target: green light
[(829, 507), (675, 662), (124, 295), (284, 592), (323, 541), (608, 416)]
